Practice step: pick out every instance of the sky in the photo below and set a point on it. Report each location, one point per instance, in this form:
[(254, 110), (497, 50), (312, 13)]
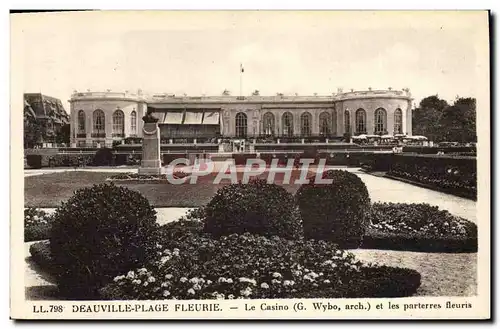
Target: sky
[(200, 53)]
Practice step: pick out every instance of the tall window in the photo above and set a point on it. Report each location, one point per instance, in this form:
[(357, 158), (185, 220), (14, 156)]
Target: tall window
[(118, 123), (133, 123), (241, 124), (347, 122), (324, 123), (287, 124), (380, 121), (305, 124), (81, 121), (268, 125), (398, 121), (98, 120), (361, 121)]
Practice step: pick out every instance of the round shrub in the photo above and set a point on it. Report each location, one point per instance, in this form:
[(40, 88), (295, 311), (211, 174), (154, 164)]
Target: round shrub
[(336, 212), (256, 207), (98, 233)]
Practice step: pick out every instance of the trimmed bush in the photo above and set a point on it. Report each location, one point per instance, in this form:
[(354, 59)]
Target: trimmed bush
[(418, 227), (335, 212), (256, 207), (254, 267), (98, 233), (103, 157), (37, 225), (34, 161)]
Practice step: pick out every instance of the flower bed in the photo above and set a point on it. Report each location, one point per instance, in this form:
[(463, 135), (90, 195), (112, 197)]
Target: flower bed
[(421, 227), (197, 266), (37, 224), (138, 178)]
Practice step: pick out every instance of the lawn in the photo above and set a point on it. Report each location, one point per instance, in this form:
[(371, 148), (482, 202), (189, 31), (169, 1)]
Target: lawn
[(443, 274), (49, 190)]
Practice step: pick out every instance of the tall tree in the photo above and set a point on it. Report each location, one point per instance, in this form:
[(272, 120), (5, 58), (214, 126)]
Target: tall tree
[(63, 134), (427, 117), (459, 121)]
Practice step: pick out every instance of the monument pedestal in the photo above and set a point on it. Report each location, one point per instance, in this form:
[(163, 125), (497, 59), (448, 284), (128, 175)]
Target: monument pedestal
[(151, 162)]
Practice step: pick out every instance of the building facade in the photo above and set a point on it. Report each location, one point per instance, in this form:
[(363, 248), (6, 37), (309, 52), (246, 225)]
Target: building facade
[(101, 118), (44, 117)]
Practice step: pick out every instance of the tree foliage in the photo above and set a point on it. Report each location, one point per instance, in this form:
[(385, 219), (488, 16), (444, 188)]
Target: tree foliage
[(440, 121)]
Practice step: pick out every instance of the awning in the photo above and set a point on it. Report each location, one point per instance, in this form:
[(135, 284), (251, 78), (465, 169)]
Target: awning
[(211, 118), (193, 118), (173, 118)]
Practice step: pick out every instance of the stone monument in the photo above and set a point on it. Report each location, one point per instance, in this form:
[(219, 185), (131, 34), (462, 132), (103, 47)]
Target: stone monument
[(151, 162)]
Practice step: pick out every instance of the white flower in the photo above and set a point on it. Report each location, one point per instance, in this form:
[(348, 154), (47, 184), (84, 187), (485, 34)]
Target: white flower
[(146, 283), (231, 296), (164, 259), (276, 275), (220, 296), (194, 280), (169, 276), (326, 281), (197, 287), (151, 279), (142, 271), (183, 279), (130, 275), (118, 278), (229, 280), (137, 281), (286, 283), (209, 281), (264, 285), (222, 279), (166, 293), (191, 291)]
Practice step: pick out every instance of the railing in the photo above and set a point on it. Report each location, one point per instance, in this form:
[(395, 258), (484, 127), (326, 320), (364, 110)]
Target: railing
[(98, 135)]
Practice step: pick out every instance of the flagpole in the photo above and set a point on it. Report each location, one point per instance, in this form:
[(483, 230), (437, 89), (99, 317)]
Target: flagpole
[(241, 79)]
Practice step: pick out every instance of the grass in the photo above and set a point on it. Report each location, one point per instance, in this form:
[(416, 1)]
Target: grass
[(443, 274), (49, 190)]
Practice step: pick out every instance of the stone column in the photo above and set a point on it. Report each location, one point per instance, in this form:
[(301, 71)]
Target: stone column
[(151, 163)]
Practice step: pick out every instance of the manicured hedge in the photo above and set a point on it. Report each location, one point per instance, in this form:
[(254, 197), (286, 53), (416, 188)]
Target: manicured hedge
[(34, 161), (376, 239)]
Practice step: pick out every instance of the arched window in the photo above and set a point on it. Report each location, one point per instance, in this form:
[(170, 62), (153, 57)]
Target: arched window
[(133, 123), (98, 120), (287, 121), (118, 124), (398, 121), (305, 124), (81, 121), (380, 121), (241, 124), (347, 122), (324, 124), (268, 124), (361, 121)]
